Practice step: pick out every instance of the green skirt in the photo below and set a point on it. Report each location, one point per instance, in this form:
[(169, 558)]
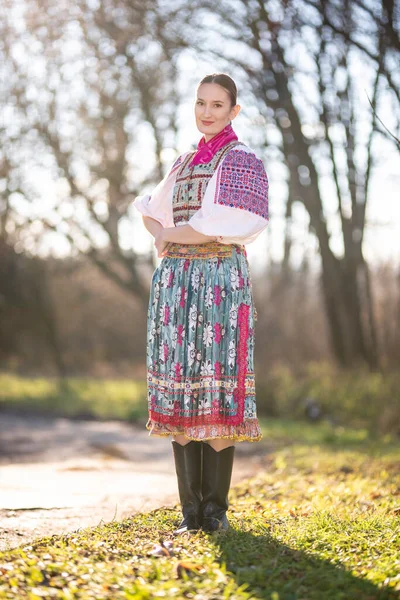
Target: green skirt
[(200, 345)]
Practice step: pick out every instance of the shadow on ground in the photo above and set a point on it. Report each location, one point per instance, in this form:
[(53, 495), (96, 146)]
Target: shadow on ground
[(275, 571)]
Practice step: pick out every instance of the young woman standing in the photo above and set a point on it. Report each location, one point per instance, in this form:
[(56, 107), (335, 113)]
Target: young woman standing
[(201, 314)]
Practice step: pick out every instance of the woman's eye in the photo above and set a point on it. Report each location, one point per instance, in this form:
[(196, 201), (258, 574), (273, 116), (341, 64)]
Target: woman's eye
[(216, 105)]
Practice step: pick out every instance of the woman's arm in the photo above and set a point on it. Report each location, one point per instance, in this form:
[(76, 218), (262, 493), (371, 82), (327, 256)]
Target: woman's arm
[(152, 226), (183, 234)]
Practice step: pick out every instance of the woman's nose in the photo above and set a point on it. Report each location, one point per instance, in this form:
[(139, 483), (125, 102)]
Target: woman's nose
[(207, 111)]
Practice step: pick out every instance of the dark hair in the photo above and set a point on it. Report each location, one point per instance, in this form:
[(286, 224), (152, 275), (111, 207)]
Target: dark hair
[(224, 81)]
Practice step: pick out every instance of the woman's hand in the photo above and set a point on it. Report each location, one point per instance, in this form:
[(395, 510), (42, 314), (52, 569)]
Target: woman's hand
[(161, 243), (184, 234)]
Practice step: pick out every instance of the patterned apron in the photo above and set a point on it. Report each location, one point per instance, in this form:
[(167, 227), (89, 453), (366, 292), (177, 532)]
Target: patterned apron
[(200, 342)]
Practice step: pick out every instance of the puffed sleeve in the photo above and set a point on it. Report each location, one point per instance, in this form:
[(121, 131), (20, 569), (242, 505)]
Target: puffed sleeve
[(235, 204), (158, 204)]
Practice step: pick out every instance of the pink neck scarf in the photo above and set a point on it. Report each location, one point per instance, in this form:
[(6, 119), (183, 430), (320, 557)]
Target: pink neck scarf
[(206, 150)]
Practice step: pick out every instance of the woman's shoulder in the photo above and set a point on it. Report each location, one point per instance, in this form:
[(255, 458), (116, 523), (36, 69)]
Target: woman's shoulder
[(180, 159), (241, 156), (241, 146)]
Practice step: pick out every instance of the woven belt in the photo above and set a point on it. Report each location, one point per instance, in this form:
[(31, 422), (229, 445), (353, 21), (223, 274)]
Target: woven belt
[(193, 251)]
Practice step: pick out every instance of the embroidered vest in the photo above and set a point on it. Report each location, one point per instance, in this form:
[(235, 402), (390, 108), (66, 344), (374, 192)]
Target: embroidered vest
[(191, 183)]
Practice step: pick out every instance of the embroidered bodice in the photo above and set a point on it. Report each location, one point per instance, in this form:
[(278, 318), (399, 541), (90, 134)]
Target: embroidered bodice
[(226, 198), (191, 183)]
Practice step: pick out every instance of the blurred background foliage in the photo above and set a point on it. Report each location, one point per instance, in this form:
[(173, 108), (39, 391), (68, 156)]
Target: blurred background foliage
[(95, 102)]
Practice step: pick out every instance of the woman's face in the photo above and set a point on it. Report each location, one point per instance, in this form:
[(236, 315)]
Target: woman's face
[(213, 110)]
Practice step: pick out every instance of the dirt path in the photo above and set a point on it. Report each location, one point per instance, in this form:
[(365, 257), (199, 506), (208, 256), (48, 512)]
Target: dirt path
[(58, 475)]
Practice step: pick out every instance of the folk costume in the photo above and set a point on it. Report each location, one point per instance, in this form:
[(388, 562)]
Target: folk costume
[(201, 313)]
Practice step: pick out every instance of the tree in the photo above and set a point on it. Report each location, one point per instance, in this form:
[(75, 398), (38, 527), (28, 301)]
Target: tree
[(91, 88), (302, 70)]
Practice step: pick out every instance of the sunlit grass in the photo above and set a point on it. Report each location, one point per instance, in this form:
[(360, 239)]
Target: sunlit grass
[(283, 433), (321, 521), (75, 397), (356, 397), (367, 401)]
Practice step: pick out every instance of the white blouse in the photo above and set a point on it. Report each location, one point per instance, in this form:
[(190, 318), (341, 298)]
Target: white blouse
[(235, 204)]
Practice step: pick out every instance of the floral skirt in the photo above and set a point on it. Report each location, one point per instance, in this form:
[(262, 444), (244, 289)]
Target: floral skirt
[(200, 345)]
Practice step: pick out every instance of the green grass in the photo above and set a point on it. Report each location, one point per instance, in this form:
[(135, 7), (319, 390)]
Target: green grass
[(357, 397), (370, 401), (320, 522), (75, 397)]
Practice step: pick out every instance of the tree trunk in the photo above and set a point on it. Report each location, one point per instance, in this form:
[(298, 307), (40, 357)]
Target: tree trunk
[(346, 290), (46, 314), (345, 287)]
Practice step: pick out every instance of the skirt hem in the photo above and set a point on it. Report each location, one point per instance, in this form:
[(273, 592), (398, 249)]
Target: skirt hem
[(162, 432)]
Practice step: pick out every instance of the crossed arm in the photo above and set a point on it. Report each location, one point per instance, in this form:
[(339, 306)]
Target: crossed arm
[(163, 236)]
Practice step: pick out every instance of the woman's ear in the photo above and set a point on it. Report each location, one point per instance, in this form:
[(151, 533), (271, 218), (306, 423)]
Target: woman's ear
[(235, 111)]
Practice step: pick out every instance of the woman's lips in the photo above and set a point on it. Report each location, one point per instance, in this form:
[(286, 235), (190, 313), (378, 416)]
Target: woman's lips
[(207, 122)]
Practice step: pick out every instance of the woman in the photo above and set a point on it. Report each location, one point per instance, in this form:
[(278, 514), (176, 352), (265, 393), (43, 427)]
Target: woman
[(201, 313)]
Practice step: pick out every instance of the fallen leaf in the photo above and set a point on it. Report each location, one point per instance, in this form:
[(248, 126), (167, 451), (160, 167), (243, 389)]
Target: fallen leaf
[(159, 550), (375, 495), (5, 568), (189, 568), (164, 548)]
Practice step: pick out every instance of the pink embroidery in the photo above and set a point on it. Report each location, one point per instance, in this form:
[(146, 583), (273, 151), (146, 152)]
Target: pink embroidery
[(166, 315), (241, 281), (171, 279), (240, 391), (183, 297), (178, 369), (218, 416), (166, 352), (186, 265), (180, 334), (217, 333), (243, 183), (217, 295)]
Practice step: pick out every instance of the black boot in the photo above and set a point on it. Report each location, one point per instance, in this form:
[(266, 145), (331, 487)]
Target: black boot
[(188, 465), (217, 472)]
